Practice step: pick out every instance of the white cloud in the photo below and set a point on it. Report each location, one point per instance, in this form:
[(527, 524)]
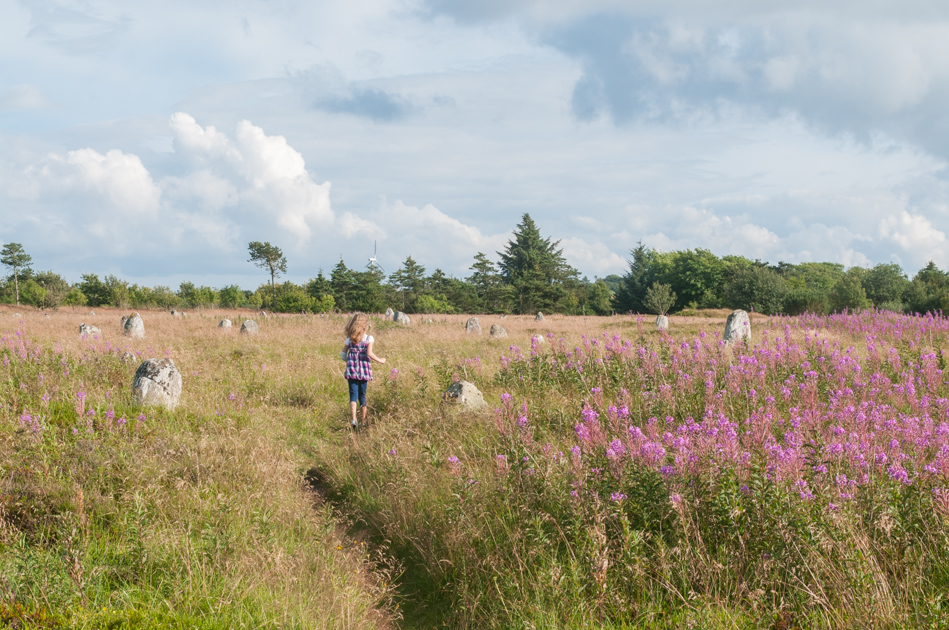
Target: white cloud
[(119, 177), (917, 235), (595, 257)]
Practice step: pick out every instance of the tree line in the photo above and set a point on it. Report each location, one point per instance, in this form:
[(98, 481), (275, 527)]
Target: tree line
[(529, 275)]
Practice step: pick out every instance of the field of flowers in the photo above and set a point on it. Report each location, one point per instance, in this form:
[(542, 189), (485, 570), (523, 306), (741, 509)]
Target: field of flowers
[(619, 476), (654, 480)]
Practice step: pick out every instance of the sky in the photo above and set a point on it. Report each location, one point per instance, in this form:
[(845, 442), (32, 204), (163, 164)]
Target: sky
[(155, 140)]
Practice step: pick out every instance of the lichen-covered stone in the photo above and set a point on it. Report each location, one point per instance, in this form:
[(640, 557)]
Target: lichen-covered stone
[(464, 394), (157, 383), (401, 318), (225, 323), (249, 327), (85, 330), (498, 332), (737, 326), (662, 322), (472, 325), (389, 313), (134, 327), (540, 317)]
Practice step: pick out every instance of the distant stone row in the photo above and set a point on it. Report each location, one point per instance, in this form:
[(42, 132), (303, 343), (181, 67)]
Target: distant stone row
[(134, 327)]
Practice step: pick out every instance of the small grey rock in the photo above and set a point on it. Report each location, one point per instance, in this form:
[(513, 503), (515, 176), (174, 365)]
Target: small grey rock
[(249, 327), (472, 325), (737, 326), (540, 317), (662, 322), (157, 383), (465, 394), (92, 313), (85, 330), (134, 326), (538, 339), (498, 332), (429, 321), (127, 357), (175, 313), (401, 318), (225, 323)]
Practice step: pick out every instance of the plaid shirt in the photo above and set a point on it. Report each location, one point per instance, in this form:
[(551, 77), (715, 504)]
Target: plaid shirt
[(358, 366)]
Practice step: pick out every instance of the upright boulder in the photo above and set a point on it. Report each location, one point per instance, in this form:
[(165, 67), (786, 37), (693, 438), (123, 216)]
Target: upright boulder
[(134, 327), (540, 317), (86, 330), (175, 313), (401, 318), (662, 322), (225, 323), (498, 332), (157, 383), (464, 394), (472, 325), (737, 327), (389, 313), (249, 327)]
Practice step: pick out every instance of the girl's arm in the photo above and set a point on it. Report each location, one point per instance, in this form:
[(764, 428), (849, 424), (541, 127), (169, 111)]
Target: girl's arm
[(372, 355)]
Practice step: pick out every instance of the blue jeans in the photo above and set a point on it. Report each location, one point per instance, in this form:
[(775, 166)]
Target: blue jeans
[(357, 391)]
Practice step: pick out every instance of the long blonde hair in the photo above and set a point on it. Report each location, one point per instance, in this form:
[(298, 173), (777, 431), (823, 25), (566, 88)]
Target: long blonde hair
[(357, 327)]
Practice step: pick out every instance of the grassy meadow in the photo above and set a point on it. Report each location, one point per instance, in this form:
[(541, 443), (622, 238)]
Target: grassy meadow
[(618, 477)]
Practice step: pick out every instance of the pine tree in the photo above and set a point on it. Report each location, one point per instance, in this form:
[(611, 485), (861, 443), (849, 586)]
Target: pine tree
[(12, 255), (535, 268)]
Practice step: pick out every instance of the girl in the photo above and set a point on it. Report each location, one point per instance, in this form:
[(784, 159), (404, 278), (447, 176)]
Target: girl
[(359, 356)]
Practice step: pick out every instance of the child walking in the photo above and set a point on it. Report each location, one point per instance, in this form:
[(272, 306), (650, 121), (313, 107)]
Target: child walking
[(359, 356)]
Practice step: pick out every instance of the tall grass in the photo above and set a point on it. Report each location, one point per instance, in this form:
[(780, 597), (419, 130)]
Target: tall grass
[(619, 478), (111, 516)]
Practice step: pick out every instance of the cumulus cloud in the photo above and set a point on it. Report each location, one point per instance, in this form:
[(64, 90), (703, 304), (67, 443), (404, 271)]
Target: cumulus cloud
[(915, 233)]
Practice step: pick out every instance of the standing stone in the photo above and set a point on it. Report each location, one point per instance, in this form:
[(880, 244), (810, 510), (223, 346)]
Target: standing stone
[(737, 326), (157, 383), (249, 327), (662, 322), (538, 340), (465, 394), (472, 325), (93, 313), (540, 317), (429, 321), (389, 313), (134, 326), (401, 318), (85, 330), (225, 323), (175, 313), (498, 332)]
